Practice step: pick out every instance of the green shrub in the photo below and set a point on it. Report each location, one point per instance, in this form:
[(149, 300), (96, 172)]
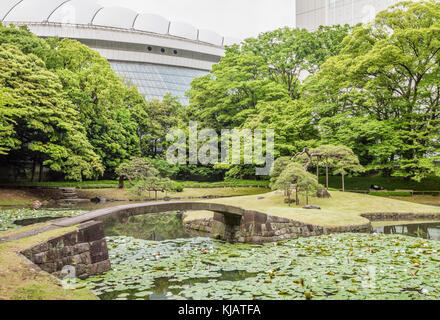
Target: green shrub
[(176, 187), (391, 194)]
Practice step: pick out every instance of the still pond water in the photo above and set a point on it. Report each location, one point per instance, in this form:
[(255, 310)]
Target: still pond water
[(153, 257)]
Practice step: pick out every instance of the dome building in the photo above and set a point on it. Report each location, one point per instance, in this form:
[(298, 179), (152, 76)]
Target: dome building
[(157, 55)]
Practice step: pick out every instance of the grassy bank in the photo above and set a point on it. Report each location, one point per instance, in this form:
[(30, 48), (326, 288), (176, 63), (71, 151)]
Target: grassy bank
[(351, 183), (127, 194), (105, 184), (392, 183), (18, 281), (24, 197), (341, 210)]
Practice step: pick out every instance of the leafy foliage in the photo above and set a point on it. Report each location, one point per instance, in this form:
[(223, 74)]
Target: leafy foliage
[(41, 119), (380, 95), (336, 267)]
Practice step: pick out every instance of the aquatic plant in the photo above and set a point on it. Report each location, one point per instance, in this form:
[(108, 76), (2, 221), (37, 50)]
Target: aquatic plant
[(343, 266)]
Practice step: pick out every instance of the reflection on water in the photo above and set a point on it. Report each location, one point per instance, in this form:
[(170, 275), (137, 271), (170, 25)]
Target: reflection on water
[(29, 222), (165, 288), (429, 231), (155, 227)]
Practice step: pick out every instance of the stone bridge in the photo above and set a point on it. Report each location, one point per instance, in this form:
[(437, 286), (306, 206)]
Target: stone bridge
[(229, 223), (85, 249)]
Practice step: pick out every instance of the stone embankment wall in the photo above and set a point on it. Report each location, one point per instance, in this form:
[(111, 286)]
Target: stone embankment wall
[(85, 250), (401, 216), (257, 227)]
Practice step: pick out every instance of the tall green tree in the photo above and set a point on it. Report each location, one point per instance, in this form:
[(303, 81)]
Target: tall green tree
[(42, 119), (155, 122), (227, 96), (105, 105), (382, 92), (7, 141), (291, 54)]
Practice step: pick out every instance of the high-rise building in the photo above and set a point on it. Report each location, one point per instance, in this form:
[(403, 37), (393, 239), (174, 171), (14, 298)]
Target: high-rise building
[(310, 14)]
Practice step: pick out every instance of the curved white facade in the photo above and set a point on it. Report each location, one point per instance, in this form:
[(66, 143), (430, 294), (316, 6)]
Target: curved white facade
[(157, 55)]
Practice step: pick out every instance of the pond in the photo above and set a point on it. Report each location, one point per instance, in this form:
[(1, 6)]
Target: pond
[(343, 266), (16, 218), (423, 230), (153, 257)]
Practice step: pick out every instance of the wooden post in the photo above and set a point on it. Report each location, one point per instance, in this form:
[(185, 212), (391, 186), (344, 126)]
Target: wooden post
[(317, 170), (297, 198), (326, 174)]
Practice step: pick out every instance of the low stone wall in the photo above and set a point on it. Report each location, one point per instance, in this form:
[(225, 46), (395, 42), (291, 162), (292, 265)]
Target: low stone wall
[(84, 249), (401, 216), (257, 227)]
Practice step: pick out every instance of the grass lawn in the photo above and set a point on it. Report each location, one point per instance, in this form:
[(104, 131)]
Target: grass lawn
[(426, 199), (341, 210), (24, 197), (104, 184), (19, 282), (126, 194), (11, 197), (392, 183)]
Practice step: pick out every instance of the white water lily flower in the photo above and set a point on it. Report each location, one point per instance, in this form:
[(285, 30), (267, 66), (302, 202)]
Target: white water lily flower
[(313, 280), (425, 291)]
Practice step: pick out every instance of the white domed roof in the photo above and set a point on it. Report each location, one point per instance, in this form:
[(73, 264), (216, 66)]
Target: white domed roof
[(33, 11), (183, 30), (6, 6), (89, 12), (75, 12), (211, 37), (151, 23), (115, 17)]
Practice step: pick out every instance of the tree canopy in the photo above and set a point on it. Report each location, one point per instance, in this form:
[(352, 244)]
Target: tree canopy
[(40, 122), (64, 108), (380, 95)]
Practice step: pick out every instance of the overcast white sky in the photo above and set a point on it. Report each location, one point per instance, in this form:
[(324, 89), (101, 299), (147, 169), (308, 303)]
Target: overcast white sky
[(231, 18)]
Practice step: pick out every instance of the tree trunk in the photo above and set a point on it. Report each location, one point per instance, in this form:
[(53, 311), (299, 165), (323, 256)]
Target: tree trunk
[(155, 192), (307, 198), (297, 198), (288, 197), (40, 175), (122, 177), (34, 165), (343, 183)]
